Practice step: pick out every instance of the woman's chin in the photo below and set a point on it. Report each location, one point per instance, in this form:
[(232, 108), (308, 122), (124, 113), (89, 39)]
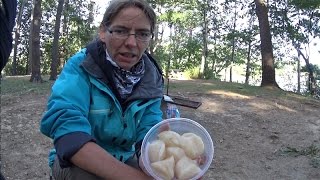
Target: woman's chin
[(125, 66)]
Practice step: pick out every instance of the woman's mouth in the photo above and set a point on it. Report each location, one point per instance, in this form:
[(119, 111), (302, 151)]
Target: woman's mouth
[(128, 55)]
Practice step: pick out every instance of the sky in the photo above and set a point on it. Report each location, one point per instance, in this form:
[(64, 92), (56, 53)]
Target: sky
[(315, 52), (314, 49), (102, 5)]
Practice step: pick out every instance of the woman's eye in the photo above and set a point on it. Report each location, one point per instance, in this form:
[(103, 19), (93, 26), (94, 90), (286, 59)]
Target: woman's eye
[(143, 34), (120, 31)]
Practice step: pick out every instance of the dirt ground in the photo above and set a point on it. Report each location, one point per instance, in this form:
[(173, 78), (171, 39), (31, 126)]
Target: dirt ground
[(250, 134)]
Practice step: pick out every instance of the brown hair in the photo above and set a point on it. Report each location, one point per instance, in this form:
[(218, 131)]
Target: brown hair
[(117, 5)]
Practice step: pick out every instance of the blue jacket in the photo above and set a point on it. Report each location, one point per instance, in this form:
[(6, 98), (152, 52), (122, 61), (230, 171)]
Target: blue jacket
[(82, 107)]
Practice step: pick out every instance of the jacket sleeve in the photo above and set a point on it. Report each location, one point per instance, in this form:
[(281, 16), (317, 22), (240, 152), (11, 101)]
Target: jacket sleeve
[(151, 117), (67, 110)]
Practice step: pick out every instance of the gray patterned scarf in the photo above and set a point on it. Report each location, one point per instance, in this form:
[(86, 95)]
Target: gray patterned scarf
[(126, 80)]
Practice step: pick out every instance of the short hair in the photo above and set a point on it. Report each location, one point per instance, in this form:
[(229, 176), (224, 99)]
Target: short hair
[(117, 5)]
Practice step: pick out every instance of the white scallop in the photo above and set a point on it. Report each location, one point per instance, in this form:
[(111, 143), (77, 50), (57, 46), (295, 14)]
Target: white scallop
[(186, 169), (176, 152), (170, 138), (192, 145), (157, 151), (164, 168)]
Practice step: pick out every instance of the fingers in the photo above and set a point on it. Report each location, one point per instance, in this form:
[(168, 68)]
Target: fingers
[(201, 159), (164, 127), (142, 167)]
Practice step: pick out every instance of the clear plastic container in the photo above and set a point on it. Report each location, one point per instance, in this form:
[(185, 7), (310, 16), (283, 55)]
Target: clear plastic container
[(180, 126)]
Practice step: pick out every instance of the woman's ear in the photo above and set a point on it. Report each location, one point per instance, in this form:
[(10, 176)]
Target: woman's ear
[(102, 33), (102, 36)]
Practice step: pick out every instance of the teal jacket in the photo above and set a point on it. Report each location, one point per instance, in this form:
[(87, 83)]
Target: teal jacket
[(82, 101)]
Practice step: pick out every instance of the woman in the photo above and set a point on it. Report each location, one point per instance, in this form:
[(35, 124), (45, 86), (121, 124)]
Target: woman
[(8, 10), (106, 99)]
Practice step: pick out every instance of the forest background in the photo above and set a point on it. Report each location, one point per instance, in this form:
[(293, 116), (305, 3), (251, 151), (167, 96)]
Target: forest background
[(209, 39)]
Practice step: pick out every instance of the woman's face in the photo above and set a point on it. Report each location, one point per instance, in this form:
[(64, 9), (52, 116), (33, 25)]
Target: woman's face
[(126, 51)]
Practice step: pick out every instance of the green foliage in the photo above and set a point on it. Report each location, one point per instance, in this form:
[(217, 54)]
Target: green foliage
[(296, 22), (20, 68), (22, 85), (193, 73), (187, 54), (207, 86), (305, 4), (77, 27), (211, 74), (45, 68), (314, 68), (162, 56), (313, 152)]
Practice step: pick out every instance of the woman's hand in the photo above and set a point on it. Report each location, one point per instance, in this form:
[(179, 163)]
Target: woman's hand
[(142, 167), (164, 127)]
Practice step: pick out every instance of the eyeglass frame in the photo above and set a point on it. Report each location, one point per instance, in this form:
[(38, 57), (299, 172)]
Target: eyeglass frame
[(126, 36)]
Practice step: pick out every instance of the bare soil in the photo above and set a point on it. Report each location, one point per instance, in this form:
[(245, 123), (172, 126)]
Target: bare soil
[(255, 137)]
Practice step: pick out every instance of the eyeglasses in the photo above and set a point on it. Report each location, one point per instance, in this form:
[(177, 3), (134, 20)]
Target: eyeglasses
[(125, 33)]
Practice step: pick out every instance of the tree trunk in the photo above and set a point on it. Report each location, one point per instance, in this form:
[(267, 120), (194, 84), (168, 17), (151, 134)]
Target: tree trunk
[(28, 69), (311, 79), (16, 38), (35, 42), (154, 40), (233, 39), (91, 14), (55, 45), (299, 73), (214, 59), (248, 64), (65, 18), (64, 50), (268, 70), (169, 59), (205, 41)]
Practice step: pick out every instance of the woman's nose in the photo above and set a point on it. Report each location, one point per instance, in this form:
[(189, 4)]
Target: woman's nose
[(131, 41)]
